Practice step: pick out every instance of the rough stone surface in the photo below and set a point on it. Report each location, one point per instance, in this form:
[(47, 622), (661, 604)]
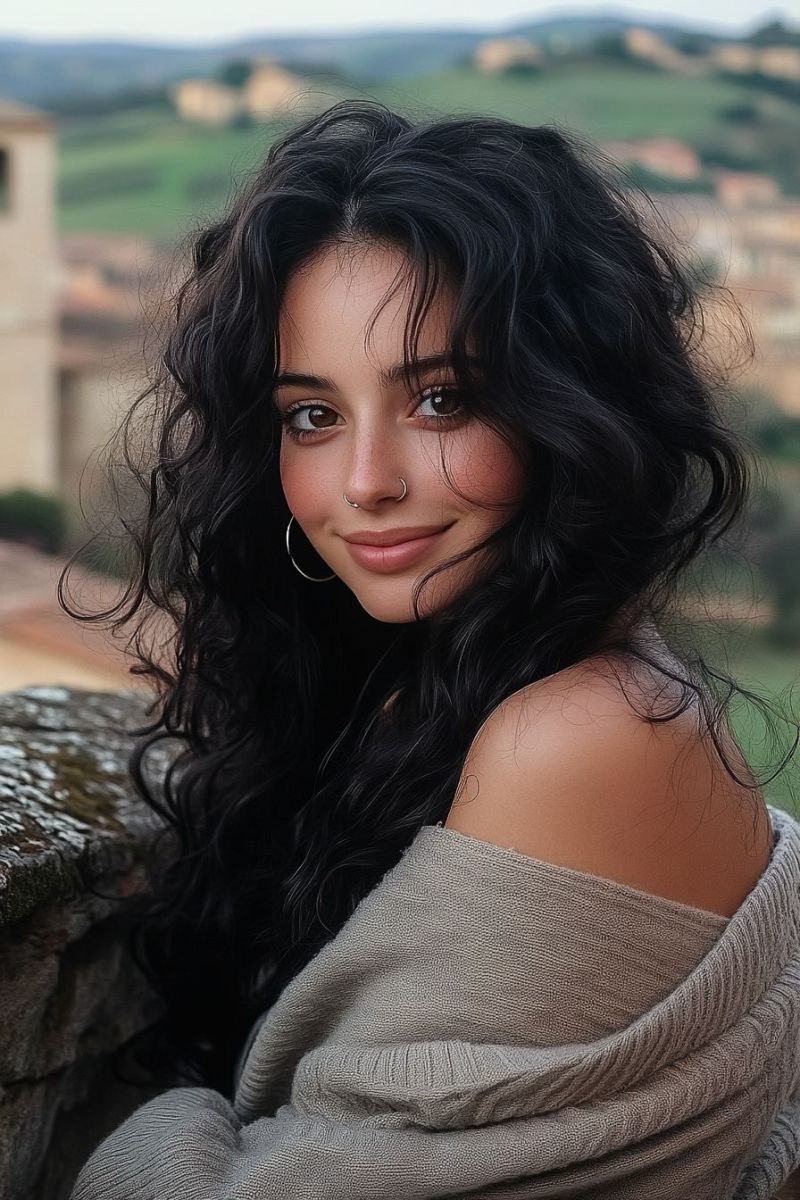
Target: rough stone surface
[(67, 808), (73, 836)]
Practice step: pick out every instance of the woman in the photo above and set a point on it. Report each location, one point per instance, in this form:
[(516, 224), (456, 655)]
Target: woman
[(435, 448)]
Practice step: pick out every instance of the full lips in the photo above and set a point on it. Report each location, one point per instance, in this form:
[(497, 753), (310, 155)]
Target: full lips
[(386, 559)]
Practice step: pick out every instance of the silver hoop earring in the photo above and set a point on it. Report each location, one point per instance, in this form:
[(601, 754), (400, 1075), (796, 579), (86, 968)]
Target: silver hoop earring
[(313, 578), (400, 497)]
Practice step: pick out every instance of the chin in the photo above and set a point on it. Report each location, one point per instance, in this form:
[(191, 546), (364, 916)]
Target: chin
[(391, 603), (390, 613)]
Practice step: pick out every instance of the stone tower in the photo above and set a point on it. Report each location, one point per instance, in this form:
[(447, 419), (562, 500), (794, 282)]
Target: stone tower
[(28, 301)]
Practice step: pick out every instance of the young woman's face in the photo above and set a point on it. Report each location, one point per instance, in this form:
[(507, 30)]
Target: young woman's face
[(360, 432)]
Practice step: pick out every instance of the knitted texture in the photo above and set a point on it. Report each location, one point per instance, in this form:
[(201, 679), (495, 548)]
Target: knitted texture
[(487, 1024)]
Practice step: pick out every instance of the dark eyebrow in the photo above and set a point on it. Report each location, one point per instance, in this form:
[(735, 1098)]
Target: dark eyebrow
[(392, 375)]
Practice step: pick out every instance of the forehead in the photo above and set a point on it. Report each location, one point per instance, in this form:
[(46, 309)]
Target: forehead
[(329, 302)]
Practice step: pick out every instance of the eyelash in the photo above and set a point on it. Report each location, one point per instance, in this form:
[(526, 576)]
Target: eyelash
[(302, 435)]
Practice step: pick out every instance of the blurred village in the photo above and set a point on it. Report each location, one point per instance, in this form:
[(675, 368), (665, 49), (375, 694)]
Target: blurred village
[(89, 245)]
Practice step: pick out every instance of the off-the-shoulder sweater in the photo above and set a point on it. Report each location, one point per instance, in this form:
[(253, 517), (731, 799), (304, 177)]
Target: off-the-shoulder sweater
[(487, 1024)]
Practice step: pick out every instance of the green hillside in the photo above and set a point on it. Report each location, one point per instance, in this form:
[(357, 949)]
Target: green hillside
[(148, 172), (609, 100), (145, 171), (773, 674)]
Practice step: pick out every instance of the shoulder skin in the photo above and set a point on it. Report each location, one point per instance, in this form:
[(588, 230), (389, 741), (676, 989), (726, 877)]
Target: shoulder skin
[(567, 771)]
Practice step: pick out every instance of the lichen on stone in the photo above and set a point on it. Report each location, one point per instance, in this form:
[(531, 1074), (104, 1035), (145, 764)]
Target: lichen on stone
[(67, 804)]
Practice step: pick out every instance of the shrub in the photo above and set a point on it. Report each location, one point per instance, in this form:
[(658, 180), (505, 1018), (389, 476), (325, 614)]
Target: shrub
[(33, 518)]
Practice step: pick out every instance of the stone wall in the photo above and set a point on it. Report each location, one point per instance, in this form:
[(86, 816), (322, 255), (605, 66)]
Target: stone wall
[(71, 825)]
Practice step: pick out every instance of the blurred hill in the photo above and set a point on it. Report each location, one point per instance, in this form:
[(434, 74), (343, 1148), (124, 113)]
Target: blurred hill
[(53, 74), (143, 169)]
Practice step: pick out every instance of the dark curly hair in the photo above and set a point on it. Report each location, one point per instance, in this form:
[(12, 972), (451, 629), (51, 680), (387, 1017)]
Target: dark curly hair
[(295, 789)]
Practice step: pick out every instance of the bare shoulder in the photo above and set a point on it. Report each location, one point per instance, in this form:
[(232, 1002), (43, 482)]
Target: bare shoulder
[(568, 771)]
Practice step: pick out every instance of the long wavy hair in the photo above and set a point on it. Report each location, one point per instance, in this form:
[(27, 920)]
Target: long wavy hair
[(295, 789)]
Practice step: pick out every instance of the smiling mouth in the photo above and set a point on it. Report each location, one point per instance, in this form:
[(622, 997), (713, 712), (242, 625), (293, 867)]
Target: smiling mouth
[(392, 537), (386, 559)]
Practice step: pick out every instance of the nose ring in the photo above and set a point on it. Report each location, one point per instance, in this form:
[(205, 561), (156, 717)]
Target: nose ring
[(353, 504)]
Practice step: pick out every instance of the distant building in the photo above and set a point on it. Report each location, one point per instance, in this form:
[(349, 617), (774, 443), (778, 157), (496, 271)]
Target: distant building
[(734, 56), (271, 91), (662, 155), (111, 291), (498, 54), (643, 43), (28, 300), (781, 62), (745, 189), (757, 248), (207, 101)]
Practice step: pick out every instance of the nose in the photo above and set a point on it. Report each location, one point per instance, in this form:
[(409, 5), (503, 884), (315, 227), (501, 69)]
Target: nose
[(374, 473)]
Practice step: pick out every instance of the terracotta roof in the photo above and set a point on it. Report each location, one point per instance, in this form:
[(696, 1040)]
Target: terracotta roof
[(23, 115), (33, 621), (112, 292)]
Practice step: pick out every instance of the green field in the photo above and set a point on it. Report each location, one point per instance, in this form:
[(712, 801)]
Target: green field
[(146, 171), (768, 672), (613, 100)]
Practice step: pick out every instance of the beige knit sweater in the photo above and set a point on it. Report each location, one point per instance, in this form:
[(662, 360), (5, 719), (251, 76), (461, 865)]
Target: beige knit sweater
[(490, 1025)]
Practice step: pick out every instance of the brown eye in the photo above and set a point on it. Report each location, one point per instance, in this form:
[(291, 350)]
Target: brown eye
[(300, 432), (443, 400), (319, 408)]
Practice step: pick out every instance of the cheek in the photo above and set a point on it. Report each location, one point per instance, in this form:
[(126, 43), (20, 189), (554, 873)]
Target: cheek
[(303, 486), (485, 469)]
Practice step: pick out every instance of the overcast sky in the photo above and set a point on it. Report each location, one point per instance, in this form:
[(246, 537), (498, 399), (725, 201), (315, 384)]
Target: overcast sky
[(190, 21)]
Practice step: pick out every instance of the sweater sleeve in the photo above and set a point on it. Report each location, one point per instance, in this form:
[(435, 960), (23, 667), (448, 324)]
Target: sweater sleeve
[(177, 1146), (189, 1144)]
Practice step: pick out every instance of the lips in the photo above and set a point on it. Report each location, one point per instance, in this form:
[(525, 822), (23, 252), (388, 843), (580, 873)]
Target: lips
[(386, 559), (391, 537)]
